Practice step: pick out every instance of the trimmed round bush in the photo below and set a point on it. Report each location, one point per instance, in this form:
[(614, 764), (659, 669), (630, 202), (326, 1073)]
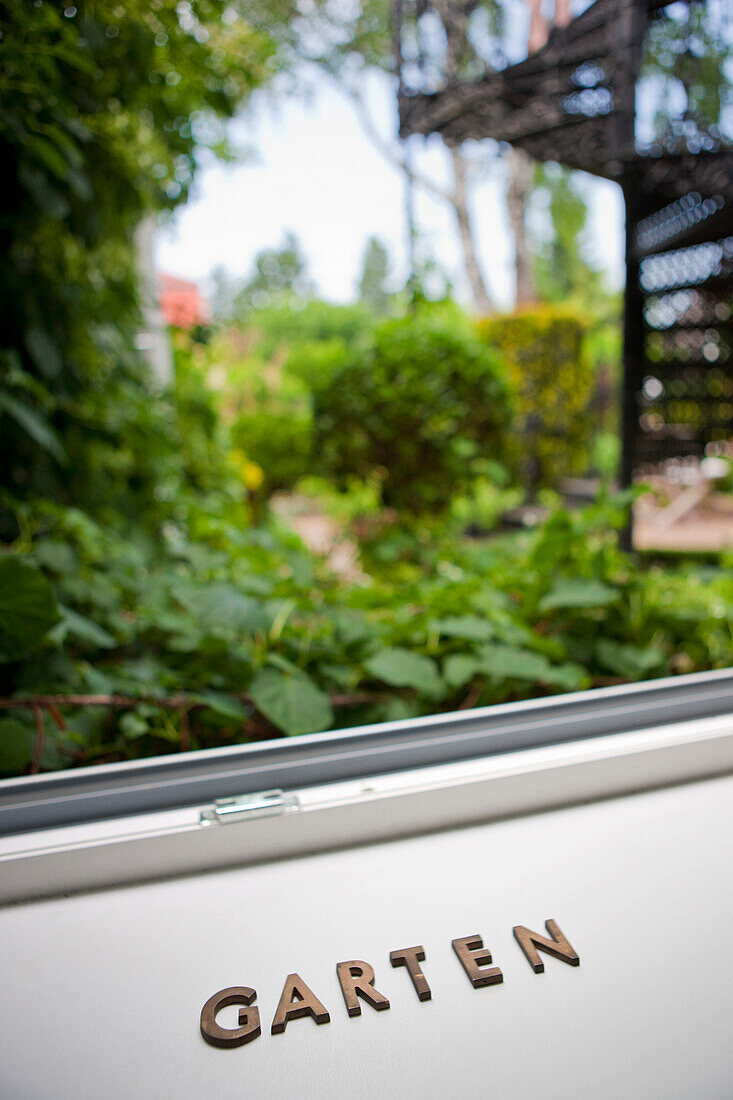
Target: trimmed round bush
[(415, 407)]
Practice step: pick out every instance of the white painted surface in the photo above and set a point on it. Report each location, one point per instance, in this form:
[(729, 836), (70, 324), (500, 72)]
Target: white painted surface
[(101, 993)]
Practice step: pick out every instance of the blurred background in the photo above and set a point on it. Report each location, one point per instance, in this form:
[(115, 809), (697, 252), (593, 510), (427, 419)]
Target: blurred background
[(309, 421)]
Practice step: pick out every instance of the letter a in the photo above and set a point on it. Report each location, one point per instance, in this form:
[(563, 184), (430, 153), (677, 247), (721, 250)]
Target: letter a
[(297, 1000)]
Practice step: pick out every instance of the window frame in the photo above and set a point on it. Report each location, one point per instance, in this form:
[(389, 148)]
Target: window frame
[(100, 792)]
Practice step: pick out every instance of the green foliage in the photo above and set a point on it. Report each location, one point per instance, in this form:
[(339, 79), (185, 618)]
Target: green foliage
[(373, 290), (278, 276), (551, 385), (266, 373), (561, 271), (686, 85), (417, 405), (291, 701), (212, 611), (130, 565), (402, 668), (28, 608), (103, 112), (482, 504), (283, 329), (16, 746), (277, 435)]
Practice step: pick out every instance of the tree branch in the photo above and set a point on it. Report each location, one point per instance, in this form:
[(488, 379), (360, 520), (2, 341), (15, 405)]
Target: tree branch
[(180, 702), (387, 149)]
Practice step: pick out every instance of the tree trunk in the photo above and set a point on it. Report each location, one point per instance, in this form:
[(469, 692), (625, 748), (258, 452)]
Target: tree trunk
[(538, 28), (154, 341), (459, 201), (521, 170)]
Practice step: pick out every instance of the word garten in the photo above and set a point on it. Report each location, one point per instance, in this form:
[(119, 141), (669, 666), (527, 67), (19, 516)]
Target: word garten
[(356, 979)]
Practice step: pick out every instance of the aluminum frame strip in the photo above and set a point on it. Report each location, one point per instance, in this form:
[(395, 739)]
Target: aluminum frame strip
[(135, 787), (100, 855)]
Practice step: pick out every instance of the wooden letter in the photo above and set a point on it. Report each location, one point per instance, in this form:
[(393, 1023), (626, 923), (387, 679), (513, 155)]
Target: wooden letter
[(411, 957), (297, 1000), (357, 980), (249, 1018), (473, 955), (531, 944)]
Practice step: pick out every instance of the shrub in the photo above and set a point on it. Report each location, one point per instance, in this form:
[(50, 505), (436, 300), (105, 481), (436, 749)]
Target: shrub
[(551, 383), (284, 326), (265, 374), (253, 636), (416, 406), (277, 439)]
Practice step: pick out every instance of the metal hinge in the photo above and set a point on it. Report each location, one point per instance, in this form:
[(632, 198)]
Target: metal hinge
[(246, 806)]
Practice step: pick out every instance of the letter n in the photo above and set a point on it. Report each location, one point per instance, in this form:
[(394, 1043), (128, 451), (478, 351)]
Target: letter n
[(531, 944)]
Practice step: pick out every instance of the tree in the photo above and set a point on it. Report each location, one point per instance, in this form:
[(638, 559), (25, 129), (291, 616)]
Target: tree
[(447, 42), (521, 170), (372, 281), (347, 42), (104, 113), (277, 274), (466, 168), (686, 50), (561, 270), (429, 279), (223, 291)]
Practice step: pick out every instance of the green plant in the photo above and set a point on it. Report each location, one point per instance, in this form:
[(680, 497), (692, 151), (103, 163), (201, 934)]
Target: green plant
[(104, 110), (416, 406), (278, 437), (482, 504), (551, 384), (213, 634)]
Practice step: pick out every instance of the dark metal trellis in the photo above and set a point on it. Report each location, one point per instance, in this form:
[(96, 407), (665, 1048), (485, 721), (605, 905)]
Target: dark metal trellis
[(578, 100)]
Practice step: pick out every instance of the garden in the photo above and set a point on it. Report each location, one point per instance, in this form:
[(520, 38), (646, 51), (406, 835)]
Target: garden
[(155, 595)]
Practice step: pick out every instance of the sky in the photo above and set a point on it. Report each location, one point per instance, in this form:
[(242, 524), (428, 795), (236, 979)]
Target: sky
[(313, 171)]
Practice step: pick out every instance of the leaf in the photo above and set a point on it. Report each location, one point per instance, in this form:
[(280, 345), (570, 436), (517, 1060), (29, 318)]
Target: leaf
[(470, 627), (133, 726), (507, 662), (44, 351), (51, 203), (402, 668), (578, 592), (628, 660), (16, 746), (57, 556), (293, 703), (221, 608), (345, 676), (80, 184), (278, 661), (397, 709), (82, 629), (352, 630), (223, 705), (35, 425), (569, 676), (28, 608), (458, 669), (46, 152)]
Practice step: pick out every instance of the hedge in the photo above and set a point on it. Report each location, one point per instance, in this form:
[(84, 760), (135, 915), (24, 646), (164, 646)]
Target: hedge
[(551, 383)]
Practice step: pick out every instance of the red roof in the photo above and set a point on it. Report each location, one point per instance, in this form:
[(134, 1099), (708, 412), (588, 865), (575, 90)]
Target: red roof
[(181, 302)]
